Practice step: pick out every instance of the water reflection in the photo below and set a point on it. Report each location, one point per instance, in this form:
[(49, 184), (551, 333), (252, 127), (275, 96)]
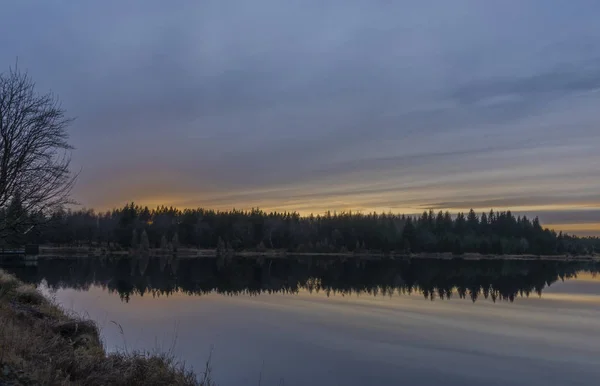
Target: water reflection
[(433, 278)]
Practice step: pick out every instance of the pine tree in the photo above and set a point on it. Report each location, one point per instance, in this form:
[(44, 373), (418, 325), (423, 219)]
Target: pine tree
[(144, 242), (483, 224), (175, 242), (494, 232), (15, 223), (457, 248), (439, 223), (472, 221), (406, 244), (460, 224), (221, 249), (134, 239)]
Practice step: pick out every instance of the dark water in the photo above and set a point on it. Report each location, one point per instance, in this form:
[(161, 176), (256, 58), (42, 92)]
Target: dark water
[(354, 322)]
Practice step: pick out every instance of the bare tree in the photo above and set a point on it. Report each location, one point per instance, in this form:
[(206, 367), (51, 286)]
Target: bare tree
[(34, 152)]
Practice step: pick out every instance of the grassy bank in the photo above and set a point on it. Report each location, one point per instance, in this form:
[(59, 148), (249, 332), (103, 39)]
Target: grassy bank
[(41, 344)]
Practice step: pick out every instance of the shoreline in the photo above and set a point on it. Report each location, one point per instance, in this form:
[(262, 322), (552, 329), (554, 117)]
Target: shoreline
[(41, 343), (194, 253)]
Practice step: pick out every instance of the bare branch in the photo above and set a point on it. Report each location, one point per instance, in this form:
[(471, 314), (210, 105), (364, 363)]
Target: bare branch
[(34, 152)]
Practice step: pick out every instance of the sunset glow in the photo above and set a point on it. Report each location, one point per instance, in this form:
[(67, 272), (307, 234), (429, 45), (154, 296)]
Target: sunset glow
[(400, 108)]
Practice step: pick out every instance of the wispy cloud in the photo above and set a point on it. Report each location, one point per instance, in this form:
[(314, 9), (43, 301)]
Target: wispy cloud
[(306, 105)]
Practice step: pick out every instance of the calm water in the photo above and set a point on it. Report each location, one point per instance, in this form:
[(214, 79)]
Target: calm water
[(317, 322)]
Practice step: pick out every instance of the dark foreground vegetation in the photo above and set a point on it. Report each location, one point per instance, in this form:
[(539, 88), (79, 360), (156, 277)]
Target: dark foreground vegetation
[(433, 278), (132, 226), (42, 345)]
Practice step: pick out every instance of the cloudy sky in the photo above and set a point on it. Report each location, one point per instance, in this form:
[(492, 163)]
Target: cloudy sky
[(314, 105)]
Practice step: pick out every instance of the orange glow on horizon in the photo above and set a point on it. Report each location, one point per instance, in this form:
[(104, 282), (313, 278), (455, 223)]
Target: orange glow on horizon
[(582, 229), (312, 207)]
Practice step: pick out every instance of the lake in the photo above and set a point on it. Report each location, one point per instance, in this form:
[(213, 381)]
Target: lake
[(320, 321)]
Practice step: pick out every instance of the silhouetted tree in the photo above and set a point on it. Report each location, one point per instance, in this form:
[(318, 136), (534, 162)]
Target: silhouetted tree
[(175, 241), (34, 153), (134, 239), (252, 230), (163, 243), (496, 280), (144, 242)]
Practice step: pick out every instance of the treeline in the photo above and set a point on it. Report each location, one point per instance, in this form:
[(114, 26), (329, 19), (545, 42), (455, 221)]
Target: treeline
[(432, 278), (487, 233)]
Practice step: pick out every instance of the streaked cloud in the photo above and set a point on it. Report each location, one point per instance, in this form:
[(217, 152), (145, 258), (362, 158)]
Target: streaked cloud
[(312, 106)]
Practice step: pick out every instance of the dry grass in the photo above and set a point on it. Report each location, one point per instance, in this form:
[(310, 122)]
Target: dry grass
[(41, 344)]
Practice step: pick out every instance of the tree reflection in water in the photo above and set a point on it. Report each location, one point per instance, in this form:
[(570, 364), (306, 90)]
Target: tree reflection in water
[(433, 278)]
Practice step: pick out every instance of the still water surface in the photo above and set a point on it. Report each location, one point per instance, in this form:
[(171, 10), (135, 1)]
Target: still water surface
[(311, 321)]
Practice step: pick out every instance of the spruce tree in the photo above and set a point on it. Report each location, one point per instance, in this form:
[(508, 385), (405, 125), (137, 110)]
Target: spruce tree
[(175, 242), (134, 239), (164, 245), (472, 221), (144, 242)]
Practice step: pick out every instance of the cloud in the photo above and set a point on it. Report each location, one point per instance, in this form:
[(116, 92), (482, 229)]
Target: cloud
[(582, 201), (552, 84), (587, 217), (306, 104)]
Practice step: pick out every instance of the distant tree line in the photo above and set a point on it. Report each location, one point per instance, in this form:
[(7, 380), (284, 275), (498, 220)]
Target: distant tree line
[(167, 227)]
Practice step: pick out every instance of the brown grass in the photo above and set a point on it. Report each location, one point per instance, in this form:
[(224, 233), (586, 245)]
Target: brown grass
[(41, 344)]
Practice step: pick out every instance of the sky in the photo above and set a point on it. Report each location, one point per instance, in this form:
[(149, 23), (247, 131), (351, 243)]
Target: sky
[(311, 106)]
